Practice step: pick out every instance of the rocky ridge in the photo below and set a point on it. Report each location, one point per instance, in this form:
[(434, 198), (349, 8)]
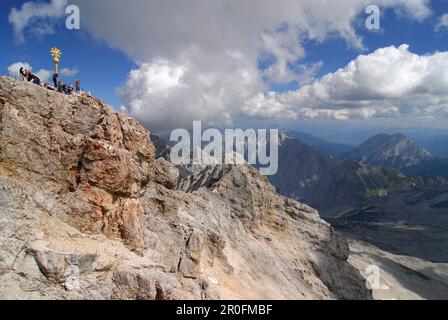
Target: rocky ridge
[(88, 212)]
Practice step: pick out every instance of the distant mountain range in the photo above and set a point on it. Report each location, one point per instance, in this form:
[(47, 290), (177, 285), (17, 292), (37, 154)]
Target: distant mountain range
[(336, 185), (331, 149), (390, 150), (402, 153), (405, 215), (432, 139)]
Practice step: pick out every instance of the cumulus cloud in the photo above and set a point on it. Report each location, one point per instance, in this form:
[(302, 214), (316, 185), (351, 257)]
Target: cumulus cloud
[(164, 94), (67, 72), (200, 60), (267, 106), (386, 82), (44, 75), (39, 16)]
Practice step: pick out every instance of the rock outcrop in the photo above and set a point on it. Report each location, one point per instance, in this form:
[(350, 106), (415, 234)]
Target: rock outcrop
[(87, 212)]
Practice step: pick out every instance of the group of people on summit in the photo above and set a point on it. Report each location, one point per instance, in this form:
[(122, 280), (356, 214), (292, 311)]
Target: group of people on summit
[(59, 86)]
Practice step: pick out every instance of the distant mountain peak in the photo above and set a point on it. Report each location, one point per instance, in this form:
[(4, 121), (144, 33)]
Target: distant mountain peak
[(395, 150)]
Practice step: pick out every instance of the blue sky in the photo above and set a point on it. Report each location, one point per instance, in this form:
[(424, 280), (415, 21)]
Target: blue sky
[(395, 30), (101, 69), (172, 77)]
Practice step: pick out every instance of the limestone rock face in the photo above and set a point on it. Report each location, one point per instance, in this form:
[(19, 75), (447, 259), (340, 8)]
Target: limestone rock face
[(87, 212)]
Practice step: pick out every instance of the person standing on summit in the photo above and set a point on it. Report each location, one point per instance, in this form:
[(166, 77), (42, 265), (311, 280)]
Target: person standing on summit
[(77, 86), (55, 80)]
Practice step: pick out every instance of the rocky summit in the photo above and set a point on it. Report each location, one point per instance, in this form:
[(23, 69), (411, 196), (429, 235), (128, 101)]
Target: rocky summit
[(88, 212)]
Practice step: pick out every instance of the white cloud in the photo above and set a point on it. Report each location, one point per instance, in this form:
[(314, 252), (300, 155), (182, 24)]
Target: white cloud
[(199, 60), (37, 15), (67, 72), (285, 48), (346, 114), (164, 94), (268, 107), (415, 9), (44, 75), (387, 82), (442, 23)]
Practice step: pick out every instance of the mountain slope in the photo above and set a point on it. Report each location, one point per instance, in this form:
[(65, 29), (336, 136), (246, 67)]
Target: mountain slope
[(437, 145), (404, 218), (87, 212), (436, 168), (402, 277), (333, 185), (331, 149), (406, 222), (390, 150)]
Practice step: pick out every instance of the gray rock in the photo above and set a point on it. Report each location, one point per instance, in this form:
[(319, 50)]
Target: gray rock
[(82, 195), (58, 266)]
